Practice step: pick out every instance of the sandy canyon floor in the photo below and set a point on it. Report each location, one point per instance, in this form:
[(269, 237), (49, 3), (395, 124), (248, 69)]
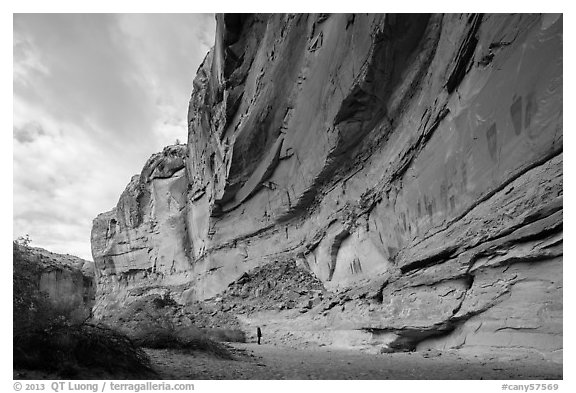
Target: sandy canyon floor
[(270, 361)]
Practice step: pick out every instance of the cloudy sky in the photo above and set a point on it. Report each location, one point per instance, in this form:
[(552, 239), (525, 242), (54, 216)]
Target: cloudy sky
[(94, 96)]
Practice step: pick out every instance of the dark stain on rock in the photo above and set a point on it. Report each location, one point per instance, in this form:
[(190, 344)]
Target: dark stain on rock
[(464, 176), (444, 195), (516, 114), (392, 251), (355, 266), (531, 109), (429, 207), (491, 136)]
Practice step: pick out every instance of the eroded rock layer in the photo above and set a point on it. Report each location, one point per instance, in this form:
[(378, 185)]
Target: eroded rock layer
[(48, 285), (412, 163)]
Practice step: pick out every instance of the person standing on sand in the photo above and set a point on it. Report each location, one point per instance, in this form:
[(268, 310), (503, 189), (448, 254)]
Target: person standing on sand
[(259, 334)]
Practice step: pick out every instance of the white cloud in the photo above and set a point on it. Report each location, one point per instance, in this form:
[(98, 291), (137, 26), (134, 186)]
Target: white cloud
[(168, 78), (94, 97), (26, 60), (61, 183)]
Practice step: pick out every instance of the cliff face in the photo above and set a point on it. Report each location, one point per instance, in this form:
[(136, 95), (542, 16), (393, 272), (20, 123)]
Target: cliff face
[(143, 240), (411, 163), (65, 282)]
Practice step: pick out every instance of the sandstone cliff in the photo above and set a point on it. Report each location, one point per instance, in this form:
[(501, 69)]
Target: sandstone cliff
[(64, 283), (411, 163)]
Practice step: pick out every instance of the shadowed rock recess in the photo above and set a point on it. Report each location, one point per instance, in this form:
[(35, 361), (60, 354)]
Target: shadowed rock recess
[(411, 165)]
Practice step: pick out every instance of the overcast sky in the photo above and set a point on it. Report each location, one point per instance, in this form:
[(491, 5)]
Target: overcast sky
[(94, 96)]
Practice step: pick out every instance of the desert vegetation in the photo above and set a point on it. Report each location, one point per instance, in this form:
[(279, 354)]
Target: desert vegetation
[(54, 341), (158, 322), (58, 341)]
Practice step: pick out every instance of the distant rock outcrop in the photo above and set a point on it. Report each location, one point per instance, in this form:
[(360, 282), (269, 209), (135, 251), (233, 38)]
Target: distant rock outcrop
[(64, 283), (144, 239), (411, 163)]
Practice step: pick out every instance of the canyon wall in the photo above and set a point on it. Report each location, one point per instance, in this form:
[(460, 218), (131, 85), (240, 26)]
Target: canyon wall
[(65, 282), (411, 163)]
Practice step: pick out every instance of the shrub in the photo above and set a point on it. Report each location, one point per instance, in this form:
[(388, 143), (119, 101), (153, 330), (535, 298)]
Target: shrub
[(226, 335), (23, 240), (72, 350), (46, 339), (187, 340), (31, 308), (158, 322)]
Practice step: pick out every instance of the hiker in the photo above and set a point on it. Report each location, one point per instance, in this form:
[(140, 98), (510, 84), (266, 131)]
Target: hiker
[(259, 334)]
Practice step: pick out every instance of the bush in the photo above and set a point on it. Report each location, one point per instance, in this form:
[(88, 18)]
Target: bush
[(157, 321), (226, 335), (187, 340), (23, 240), (31, 308), (47, 339), (73, 350)]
